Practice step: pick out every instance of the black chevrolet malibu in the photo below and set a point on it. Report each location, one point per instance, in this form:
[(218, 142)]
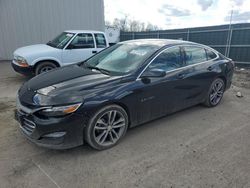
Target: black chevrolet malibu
[(125, 85)]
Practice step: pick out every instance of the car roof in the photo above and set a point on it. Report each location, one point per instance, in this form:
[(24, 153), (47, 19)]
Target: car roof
[(158, 42), (83, 31)]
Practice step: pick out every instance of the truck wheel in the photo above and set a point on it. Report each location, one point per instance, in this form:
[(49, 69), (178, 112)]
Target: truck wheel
[(44, 67)]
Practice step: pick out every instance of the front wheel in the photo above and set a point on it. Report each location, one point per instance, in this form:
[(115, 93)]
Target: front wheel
[(215, 93), (44, 67), (106, 127)]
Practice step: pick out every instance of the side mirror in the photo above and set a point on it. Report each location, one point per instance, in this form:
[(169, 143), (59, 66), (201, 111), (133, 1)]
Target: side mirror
[(153, 73)]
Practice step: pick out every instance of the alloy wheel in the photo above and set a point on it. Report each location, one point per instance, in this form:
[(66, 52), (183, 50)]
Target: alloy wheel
[(109, 128), (216, 92)]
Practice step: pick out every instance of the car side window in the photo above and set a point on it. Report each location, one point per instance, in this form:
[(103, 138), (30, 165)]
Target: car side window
[(169, 59), (83, 40), (194, 55), (210, 54), (100, 40)]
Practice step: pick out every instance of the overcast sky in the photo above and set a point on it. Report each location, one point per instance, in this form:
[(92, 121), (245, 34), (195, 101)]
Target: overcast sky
[(179, 13)]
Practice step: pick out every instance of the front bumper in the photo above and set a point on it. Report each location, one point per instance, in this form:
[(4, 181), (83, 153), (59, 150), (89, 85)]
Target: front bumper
[(28, 71), (54, 133)]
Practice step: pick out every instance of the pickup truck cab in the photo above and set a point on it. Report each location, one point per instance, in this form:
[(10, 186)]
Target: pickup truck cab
[(69, 47)]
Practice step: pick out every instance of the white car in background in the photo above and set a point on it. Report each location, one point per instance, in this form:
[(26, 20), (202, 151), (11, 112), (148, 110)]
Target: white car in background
[(69, 47)]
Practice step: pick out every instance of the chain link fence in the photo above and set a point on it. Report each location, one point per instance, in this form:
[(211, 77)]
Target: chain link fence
[(233, 42)]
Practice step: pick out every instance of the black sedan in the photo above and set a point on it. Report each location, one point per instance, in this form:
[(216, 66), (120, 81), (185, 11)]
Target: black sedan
[(125, 85)]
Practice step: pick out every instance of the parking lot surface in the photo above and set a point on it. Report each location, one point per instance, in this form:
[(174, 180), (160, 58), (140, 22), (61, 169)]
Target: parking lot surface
[(197, 147)]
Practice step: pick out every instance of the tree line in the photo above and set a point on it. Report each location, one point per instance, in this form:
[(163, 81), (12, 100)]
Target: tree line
[(126, 24)]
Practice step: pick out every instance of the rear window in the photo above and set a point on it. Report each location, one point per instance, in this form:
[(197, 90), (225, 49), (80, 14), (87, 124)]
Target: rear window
[(195, 55), (210, 54), (100, 40)]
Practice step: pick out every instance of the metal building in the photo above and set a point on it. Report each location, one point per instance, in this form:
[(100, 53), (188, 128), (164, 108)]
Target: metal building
[(26, 22)]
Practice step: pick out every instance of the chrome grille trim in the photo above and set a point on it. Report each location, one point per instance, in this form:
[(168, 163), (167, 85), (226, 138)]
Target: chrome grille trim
[(28, 125), (25, 109)]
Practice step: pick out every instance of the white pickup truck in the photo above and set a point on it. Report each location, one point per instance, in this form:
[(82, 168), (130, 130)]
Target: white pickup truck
[(68, 48)]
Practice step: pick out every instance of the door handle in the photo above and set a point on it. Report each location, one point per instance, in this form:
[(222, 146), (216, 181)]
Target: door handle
[(94, 52), (210, 68)]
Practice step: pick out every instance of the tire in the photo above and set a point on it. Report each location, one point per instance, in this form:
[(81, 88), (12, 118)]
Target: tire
[(215, 93), (44, 67), (101, 132)]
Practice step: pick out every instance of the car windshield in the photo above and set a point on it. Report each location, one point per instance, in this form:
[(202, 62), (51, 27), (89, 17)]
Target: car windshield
[(122, 58), (61, 40)]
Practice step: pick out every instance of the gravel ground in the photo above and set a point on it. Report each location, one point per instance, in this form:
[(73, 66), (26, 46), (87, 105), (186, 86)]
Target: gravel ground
[(197, 147), (242, 78)]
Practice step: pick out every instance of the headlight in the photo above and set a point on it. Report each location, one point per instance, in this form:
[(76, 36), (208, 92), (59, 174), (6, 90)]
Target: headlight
[(21, 61), (46, 90), (60, 110)]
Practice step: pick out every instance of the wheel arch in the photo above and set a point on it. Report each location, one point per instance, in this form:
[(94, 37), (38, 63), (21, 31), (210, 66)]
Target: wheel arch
[(122, 105), (125, 107), (224, 79), (45, 60), (88, 130)]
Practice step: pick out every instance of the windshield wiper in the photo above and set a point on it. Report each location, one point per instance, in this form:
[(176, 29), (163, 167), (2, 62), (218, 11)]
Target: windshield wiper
[(104, 71)]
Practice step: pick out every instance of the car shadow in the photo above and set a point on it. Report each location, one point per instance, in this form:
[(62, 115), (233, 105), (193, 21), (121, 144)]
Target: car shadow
[(133, 132)]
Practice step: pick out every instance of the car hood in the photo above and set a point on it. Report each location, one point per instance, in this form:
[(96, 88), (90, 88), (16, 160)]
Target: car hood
[(33, 49), (69, 84)]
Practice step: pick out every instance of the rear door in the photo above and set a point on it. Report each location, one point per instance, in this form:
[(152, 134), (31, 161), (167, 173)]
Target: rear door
[(80, 48), (189, 73), (198, 74)]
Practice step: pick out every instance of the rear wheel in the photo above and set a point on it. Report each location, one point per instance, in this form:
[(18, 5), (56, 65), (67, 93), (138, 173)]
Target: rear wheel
[(215, 93), (44, 67), (106, 127)]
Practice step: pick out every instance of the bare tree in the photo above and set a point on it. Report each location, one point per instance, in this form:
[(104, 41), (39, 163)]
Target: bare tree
[(156, 28), (150, 27), (125, 24), (136, 26), (122, 23), (142, 26)]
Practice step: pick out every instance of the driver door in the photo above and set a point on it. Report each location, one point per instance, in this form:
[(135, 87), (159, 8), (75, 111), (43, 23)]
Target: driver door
[(157, 95), (80, 48)]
